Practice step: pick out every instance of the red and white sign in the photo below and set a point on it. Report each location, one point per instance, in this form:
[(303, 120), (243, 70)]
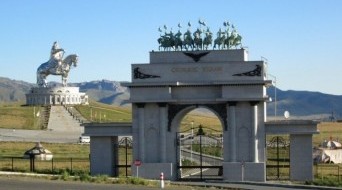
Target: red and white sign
[(137, 163)]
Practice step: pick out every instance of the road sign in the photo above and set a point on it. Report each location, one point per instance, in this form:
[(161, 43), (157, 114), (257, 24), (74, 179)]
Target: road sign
[(137, 163)]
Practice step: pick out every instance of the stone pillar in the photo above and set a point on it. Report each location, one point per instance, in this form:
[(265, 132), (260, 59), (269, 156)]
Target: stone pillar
[(141, 125), (162, 129), (115, 142), (232, 127), (255, 130), (102, 158), (301, 158)]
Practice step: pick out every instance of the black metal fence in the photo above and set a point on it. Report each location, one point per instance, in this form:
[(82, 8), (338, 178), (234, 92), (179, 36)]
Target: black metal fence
[(328, 171), (54, 165)]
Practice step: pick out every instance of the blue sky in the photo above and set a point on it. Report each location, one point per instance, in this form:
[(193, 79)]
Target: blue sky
[(302, 39)]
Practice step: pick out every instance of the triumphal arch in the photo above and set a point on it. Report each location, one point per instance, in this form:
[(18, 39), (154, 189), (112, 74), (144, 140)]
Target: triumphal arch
[(222, 80)]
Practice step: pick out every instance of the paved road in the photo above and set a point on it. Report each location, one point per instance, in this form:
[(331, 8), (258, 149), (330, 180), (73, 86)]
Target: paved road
[(16, 183), (62, 128), (29, 183)]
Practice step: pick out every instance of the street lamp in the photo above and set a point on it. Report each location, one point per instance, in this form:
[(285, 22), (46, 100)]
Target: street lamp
[(275, 94), (192, 139)]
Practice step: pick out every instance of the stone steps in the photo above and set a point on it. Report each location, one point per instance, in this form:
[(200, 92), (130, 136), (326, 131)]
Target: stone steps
[(61, 120)]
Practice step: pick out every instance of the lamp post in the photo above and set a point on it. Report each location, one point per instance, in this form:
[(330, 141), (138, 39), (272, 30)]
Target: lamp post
[(192, 139), (200, 133), (91, 113), (275, 94)]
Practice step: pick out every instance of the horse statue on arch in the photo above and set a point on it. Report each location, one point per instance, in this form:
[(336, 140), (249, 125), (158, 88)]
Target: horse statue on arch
[(219, 41), (48, 68), (208, 39)]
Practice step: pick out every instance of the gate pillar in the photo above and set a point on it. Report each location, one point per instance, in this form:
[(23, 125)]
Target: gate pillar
[(104, 155), (301, 158)]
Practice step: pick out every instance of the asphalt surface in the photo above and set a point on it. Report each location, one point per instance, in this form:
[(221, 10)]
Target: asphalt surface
[(12, 182), (23, 183)]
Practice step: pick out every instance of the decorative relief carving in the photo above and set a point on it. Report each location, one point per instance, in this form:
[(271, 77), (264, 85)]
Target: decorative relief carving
[(255, 72), (139, 75), (196, 56)]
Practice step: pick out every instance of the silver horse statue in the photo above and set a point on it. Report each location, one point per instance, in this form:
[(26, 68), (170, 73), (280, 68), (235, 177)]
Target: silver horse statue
[(49, 68)]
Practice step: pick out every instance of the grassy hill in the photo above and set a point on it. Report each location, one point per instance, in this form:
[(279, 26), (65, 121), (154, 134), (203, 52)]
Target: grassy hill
[(100, 112), (15, 116)]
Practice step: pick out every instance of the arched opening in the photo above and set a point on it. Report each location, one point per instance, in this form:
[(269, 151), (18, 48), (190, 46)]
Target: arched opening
[(199, 144)]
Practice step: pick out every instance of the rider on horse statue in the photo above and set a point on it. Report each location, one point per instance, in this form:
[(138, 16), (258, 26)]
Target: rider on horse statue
[(56, 56)]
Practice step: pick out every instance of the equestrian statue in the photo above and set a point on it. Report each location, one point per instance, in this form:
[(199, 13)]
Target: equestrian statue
[(201, 39), (56, 66)]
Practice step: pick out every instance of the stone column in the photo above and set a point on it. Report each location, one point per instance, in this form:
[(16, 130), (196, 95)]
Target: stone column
[(232, 128), (141, 126), (162, 129), (115, 141), (255, 130)]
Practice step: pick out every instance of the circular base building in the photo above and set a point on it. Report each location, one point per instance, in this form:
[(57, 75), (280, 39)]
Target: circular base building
[(56, 96)]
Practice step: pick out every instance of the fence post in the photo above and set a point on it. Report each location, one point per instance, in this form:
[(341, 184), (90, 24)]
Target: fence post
[(338, 173), (322, 172), (70, 165), (52, 165), (12, 165)]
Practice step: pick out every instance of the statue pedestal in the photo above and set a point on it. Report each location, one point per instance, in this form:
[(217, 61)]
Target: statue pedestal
[(56, 96)]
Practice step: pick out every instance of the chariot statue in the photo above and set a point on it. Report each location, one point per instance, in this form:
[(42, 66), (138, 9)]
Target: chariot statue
[(201, 39), (56, 65)]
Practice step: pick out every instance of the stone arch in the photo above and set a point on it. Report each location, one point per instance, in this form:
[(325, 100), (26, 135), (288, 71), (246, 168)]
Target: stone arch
[(177, 111)]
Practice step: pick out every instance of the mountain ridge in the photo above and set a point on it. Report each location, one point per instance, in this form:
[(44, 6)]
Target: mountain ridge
[(299, 103)]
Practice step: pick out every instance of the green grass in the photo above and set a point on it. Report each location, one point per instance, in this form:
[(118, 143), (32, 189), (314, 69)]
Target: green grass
[(63, 155), (59, 150), (15, 116), (98, 112)]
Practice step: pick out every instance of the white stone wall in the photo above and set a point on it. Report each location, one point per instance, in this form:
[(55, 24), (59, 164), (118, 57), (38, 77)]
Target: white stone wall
[(56, 96)]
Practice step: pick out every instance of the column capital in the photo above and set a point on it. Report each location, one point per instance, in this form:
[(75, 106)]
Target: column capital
[(162, 104), (254, 103), (232, 103), (140, 105)]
